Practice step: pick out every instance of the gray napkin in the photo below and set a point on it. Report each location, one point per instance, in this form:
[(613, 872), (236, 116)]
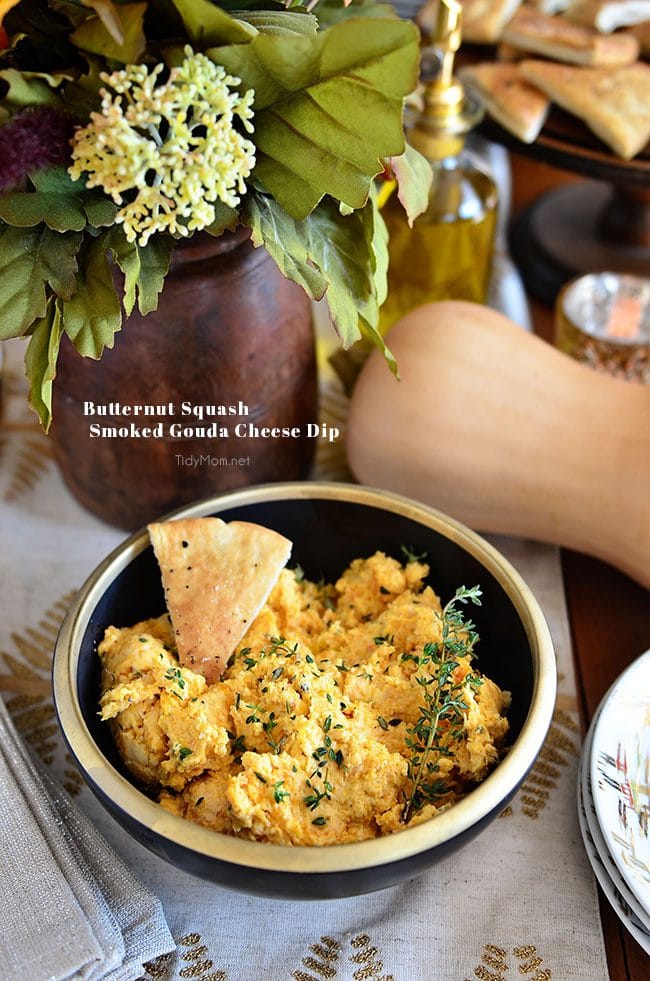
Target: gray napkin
[(71, 908)]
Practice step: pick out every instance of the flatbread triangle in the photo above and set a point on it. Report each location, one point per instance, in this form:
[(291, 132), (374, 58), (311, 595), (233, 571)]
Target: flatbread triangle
[(216, 577), (613, 102), (516, 104)]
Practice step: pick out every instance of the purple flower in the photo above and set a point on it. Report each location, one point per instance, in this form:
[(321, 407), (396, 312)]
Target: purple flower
[(33, 140)]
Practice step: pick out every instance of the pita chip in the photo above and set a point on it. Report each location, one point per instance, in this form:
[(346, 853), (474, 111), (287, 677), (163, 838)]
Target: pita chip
[(513, 102), (484, 20), (559, 39), (613, 102), (216, 578), (607, 17)]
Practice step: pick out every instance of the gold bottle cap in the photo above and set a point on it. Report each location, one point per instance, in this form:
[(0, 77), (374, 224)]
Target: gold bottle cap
[(438, 130)]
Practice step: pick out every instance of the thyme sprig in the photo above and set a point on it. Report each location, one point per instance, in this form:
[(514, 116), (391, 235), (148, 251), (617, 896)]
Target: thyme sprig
[(441, 720)]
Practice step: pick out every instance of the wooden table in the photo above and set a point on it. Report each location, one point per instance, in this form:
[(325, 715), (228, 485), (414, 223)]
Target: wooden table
[(609, 614)]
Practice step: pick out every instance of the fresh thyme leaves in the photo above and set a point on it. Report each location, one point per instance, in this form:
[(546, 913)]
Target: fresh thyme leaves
[(313, 799), (253, 717), (382, 722), (278, 793), (183, 753), (441, 719), (238, 745), (386, 639), (175, 675), (411, 555), (320, 820)]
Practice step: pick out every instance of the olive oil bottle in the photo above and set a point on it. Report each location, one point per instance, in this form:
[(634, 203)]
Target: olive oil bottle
[(447, 253)]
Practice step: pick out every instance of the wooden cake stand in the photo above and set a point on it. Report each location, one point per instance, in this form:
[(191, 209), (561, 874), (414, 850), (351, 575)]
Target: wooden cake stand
[(601, 223)]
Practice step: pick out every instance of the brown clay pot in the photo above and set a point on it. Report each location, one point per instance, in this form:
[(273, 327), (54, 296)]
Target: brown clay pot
[(229, 328)]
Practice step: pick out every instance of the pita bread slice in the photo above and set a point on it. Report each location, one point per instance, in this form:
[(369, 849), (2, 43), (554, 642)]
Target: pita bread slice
[(607, 17), (483, 20), (557, 38), (216, 578), (508, 54), (613, 102), (516, 104)]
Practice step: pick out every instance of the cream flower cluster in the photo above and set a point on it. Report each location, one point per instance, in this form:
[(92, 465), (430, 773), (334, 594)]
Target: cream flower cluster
[(166, 152)]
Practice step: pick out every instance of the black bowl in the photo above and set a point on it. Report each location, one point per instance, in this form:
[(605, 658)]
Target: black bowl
[(330, 524)]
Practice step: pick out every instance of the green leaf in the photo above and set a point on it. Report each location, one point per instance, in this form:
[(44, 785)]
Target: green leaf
[(327, 107), (51, 202), (100, 210), (331, 12), (225, 219), (206, 24), (40, 362), (31, 259), (28, 89), (342, 257), (63, 204), (144, 269), (280, 23), (93, 315), (414, 177), (286, 241), (127, 256), (82, 96), (154, 259), (94, 35)]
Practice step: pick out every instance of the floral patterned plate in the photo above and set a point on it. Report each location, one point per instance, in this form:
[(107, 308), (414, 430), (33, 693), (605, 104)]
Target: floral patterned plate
[(624, 901), (620, 776), (615, 898)]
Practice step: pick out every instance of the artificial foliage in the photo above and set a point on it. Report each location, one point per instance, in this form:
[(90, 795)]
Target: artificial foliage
[(127, 127)]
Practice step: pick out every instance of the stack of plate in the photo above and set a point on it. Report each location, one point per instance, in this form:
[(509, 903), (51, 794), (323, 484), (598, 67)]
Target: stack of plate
[(614, 797)]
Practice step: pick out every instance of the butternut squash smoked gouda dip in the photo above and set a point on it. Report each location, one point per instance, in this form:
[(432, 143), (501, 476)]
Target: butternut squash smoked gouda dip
[(348, 711)]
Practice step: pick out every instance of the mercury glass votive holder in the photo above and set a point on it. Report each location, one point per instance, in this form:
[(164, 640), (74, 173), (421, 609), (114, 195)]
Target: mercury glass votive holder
[(603, 320)]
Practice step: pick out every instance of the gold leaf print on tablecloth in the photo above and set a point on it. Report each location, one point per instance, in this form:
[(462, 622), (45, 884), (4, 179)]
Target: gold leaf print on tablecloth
[(194, 961), (321, 961), (25, 453), (559, 747), (25, 680), (31, 461), (496, 961), (324, 961)]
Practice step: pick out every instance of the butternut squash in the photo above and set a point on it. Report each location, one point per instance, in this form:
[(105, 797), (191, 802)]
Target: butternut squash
[(505, 433)]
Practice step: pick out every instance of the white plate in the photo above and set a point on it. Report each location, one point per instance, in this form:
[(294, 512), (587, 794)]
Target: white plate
[(611, 892), (638, 915), (620, 776)]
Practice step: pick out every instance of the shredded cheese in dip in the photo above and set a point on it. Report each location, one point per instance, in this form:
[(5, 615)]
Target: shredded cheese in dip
[(305, 739)]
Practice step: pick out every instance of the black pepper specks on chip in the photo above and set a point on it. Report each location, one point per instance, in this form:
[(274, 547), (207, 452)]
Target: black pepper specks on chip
[(185, 544)]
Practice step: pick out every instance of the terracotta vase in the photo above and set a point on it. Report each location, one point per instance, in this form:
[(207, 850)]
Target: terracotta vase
[(229, 329)]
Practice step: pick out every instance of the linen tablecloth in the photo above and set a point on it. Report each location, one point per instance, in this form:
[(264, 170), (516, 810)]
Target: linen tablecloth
[(518, 902)]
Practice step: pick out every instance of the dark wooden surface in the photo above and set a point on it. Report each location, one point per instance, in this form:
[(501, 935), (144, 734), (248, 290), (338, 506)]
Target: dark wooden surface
[(609, 614)]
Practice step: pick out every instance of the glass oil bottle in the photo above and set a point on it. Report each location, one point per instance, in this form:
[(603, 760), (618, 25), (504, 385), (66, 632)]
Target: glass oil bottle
[(447, 253)]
